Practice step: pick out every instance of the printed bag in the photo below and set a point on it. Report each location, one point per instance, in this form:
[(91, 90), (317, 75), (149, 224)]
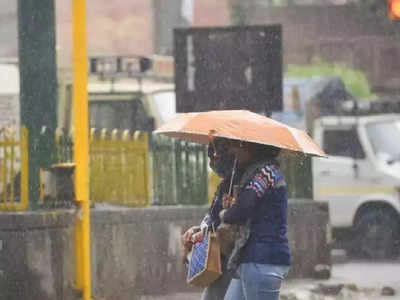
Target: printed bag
[(205, 261)]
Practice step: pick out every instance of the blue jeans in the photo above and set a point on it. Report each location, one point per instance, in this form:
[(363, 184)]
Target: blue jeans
[(257, 282), (217, 289)]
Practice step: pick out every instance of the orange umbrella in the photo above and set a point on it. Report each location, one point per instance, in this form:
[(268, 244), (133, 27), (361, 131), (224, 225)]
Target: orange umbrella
[(239, 125)]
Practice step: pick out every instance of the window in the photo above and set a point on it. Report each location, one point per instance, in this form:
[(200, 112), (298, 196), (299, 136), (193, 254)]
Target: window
[(111, 115), (385, 137), (343, 142)]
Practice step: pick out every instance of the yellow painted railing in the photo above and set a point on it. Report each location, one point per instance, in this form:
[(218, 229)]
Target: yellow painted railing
[(119, 172), (14, 171)]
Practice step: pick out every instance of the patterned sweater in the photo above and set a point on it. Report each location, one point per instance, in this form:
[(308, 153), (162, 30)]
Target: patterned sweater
[(260, 210)]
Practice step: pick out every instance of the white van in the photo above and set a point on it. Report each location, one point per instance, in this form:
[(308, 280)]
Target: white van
[(9, 119), (124, 104), (9, 96), (361, 179)]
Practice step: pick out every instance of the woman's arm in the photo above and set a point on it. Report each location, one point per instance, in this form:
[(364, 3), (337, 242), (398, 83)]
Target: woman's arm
[(241, 210), (245, 205)]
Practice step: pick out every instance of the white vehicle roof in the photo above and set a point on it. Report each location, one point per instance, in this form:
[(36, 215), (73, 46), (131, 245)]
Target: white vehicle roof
[(9, 79), (129, 85)]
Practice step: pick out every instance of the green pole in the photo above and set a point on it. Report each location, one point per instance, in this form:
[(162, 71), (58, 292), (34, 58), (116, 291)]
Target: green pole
[(38, 84)]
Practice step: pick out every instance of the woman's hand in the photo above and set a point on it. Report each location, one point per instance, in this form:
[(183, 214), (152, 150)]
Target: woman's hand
[(187, 236), (187, 242), (197, 237)]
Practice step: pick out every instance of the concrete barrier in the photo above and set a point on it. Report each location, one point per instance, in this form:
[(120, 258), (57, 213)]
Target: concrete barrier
[(135, 251)]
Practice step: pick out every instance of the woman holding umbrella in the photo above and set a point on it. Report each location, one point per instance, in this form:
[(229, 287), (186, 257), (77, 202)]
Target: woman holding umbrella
[(222, 165), (260, 257)]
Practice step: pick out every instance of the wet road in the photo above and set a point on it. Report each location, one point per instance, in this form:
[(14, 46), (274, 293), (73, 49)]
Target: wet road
[(364, 274), (368, 274)]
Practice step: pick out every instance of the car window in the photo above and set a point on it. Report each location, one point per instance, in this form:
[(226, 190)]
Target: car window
[(384, 138), (111, 115), (343, 142)]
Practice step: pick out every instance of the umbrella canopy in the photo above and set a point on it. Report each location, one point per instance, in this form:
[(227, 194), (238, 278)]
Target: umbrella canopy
[(239, 125)]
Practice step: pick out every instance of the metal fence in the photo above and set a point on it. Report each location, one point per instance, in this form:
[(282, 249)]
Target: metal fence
[(64, 147), (140, 170), (132, 169), (13, 170), (180, 174), (119, 171)]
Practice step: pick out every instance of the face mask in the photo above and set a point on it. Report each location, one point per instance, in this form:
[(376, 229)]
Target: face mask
[(221, 161)]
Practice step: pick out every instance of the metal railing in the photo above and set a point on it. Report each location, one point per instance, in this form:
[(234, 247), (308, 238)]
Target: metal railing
[(137, 170), (126, 169), (14, 170), (180, 173), (119, 171), (64, 147)]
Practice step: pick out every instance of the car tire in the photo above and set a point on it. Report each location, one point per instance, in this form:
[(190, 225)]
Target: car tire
[(377, 234)]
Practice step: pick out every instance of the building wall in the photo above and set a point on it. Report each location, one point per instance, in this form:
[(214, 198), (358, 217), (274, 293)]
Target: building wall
[(8, 29), (336, 34), (118, 27), (212, 13)]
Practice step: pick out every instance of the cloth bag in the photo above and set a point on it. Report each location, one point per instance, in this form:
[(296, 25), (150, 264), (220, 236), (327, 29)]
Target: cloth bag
[(205, 261)]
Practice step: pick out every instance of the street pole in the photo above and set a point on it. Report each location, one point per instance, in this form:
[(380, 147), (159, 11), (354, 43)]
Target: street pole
[(81, 149), (38, 84)]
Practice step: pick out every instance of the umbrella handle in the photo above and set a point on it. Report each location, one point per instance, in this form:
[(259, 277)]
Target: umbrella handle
[(233, 175)]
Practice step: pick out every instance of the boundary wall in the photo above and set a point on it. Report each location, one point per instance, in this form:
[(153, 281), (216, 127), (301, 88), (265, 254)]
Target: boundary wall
[(135, 251)]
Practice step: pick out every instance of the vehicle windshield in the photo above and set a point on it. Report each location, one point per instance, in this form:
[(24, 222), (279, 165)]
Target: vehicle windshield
[(384, 138), (111, 115)]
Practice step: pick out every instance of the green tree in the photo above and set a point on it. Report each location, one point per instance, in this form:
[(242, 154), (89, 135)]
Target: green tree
[(354, 80)]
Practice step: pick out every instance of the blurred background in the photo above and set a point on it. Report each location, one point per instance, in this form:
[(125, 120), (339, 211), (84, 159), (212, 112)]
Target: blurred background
[(330, 67)]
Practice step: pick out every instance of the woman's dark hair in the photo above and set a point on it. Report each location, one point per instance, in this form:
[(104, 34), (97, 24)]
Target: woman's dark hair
[(258, 151)]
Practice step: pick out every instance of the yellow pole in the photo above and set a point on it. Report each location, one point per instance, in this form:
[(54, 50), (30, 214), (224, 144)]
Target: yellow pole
[(24, 169), (81, 148)]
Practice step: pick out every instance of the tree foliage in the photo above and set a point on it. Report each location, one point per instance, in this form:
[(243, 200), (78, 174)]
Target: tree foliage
[(354, 80)]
